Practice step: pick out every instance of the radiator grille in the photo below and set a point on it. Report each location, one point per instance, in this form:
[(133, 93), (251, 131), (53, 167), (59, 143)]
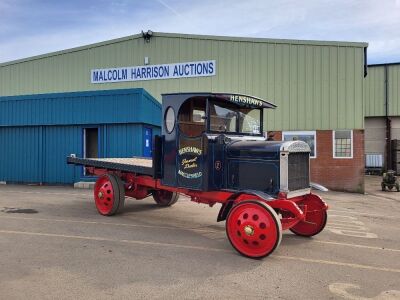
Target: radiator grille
[(298, 171)]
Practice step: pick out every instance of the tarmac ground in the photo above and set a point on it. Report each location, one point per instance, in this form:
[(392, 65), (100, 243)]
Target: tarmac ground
[(54, 244)]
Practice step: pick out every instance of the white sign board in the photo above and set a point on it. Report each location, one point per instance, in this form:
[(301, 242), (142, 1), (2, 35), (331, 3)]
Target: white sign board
[(152, 72)]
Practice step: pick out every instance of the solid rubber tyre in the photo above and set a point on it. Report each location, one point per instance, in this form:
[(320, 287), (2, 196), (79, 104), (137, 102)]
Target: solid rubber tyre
[(253, 229), (109, 195), (315, 220), (165, 198)]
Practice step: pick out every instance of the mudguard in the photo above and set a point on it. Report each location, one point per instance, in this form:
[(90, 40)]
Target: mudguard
[(318, 187), (226, 207)]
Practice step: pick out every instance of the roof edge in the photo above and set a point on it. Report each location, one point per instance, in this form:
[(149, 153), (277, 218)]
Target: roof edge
[(270, 40), (385, 64), (78, 93), (189, 36)]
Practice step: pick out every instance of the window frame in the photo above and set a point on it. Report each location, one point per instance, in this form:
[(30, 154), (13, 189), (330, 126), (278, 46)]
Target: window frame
[(334, 144), (220, 104), (236, 132), (165, 119), (309, 132), (190, 102)]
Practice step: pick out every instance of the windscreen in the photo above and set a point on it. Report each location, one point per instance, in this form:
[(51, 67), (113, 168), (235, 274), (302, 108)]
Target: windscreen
[(249, 120), (231, 118)]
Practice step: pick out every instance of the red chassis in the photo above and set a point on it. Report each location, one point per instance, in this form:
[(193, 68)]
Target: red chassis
[(253, 224)]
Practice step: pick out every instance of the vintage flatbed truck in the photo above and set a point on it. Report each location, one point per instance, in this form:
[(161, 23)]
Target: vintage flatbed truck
[(212, 149)]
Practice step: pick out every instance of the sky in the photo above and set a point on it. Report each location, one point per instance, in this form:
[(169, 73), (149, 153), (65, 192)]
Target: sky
[(33, 27)]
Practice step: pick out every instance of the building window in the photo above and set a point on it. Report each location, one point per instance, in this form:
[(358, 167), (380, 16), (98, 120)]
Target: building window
[(306, 136), (343, 144)]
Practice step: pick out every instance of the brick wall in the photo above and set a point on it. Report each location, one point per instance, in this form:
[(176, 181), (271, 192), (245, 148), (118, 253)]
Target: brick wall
[(334, 173)]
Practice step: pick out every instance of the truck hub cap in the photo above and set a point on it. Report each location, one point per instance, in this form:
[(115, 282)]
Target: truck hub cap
[(248, 230)]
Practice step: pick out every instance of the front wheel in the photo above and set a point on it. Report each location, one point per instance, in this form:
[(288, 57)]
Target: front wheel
[(253, 228), (316, 217), (165, 198)]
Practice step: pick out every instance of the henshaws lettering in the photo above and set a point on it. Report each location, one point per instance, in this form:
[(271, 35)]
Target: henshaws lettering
[(152, 72), (193, 150), (246, 100)]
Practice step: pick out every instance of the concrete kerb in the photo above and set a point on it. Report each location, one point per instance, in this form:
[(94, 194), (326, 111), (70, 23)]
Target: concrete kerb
[(84, 185)]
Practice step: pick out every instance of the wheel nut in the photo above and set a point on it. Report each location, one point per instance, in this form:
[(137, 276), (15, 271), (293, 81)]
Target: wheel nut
[(100, 195), (248, 230)]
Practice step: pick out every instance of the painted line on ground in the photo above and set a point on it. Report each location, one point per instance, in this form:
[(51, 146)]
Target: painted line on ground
[(47, 193), (360, 214), (355, 245), (383, 197), (101, 239), (186, 229), (137, 242), (112, 224), (338, 263), (343, 198)]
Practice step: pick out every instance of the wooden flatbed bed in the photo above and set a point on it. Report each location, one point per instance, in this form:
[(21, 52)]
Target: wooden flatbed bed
[(138, 165)]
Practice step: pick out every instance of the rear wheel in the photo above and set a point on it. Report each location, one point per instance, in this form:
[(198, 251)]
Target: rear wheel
[(109, 195), (316, 217), (254, 229), (165, 198)]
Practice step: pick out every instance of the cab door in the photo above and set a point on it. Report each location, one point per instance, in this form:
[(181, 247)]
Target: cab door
[(190, 151)]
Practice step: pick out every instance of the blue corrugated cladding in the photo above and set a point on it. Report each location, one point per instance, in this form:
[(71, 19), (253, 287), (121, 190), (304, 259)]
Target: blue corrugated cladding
[(58, 143), (97, 107), (20, 157), (35, 139)]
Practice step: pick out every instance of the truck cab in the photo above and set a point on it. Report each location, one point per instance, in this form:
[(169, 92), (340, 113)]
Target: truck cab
[(213, 141)]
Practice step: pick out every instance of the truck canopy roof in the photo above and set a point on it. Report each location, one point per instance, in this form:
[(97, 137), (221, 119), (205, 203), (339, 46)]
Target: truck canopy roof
[(240, 99)]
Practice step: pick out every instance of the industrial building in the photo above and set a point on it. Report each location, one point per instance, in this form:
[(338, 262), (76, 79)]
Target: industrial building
[(37, 132), (318, 87), (382, 117)]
